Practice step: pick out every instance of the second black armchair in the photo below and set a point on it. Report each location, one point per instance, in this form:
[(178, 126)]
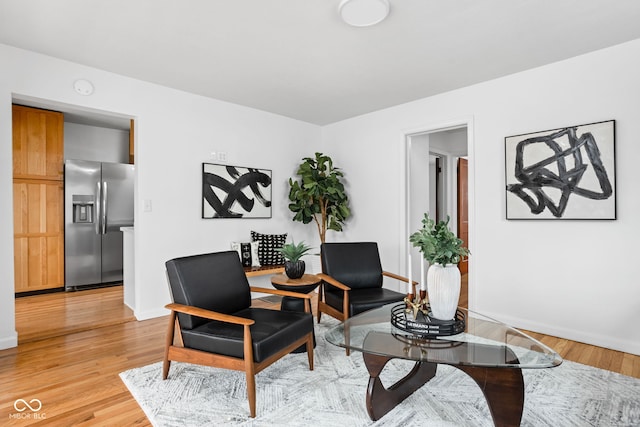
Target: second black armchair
[(352, 280)]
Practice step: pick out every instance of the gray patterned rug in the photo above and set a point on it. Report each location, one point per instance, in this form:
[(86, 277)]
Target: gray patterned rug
[(333, 394)]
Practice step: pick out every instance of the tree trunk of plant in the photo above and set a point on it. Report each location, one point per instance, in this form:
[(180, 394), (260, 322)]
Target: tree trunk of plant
[(322, 225)]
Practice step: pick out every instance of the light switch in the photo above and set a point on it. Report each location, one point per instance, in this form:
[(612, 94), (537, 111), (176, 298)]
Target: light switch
[(147, 205)]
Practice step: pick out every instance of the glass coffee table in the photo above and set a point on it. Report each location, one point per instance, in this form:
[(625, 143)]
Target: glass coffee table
[(490, 352)]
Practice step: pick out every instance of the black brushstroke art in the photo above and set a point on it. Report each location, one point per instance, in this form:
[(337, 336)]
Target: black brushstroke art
[(570, 164), (253, 179)]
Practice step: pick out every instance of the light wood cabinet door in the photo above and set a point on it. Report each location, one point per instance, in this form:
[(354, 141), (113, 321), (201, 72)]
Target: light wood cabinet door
[(38, 234), (38, 143)]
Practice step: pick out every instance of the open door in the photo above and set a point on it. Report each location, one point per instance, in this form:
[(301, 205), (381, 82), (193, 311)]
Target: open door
[(463, 210)]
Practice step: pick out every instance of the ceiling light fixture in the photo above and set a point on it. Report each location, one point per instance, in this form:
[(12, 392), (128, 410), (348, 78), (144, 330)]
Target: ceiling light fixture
[(363, 13)]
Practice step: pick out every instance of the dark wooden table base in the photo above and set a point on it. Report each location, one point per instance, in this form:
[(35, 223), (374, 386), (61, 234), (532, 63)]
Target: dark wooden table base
[(502, 387)]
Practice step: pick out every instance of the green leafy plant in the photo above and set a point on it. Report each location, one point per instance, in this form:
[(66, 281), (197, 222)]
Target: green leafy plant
[(293, 252), (319, 195), (437, 242)]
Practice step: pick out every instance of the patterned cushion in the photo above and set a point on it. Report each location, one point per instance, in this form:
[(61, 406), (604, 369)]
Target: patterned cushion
[(248, 253), (267, 252)]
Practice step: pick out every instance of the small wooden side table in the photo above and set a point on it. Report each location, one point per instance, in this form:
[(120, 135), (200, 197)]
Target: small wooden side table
[(303, 285)]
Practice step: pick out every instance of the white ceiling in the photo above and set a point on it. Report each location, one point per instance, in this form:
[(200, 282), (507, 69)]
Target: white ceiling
[(296, 58)]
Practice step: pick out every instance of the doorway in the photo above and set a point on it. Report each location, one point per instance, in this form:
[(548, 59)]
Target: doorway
[(437, 183), (58, 312)]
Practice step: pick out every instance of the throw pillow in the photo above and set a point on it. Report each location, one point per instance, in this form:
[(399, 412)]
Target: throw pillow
[(268, 244), (248, 253)]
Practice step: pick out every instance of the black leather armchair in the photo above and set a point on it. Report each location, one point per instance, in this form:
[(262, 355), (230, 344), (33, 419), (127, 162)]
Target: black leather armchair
[(352, 280), (217, 325)]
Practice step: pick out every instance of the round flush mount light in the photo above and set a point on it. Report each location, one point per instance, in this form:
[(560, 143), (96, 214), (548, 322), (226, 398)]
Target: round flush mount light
[(83, 87), (363, 13)]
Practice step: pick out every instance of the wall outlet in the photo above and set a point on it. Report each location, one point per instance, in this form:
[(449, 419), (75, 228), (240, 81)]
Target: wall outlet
[(220, 156)]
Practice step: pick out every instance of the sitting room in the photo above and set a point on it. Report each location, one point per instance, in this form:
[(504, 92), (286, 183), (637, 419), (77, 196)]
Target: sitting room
[(516, 122)]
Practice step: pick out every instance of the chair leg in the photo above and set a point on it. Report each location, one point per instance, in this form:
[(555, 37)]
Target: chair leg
[(251, 393), (250, 371), (319, 313), (310, 351), (166, 363)]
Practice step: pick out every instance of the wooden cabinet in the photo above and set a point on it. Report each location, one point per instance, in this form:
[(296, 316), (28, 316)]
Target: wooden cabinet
[(38, 143), (38, 199), (38, 207)]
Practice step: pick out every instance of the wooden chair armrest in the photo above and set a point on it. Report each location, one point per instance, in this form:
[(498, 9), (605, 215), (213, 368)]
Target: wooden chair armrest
[(263, 271), (279, 292), (401, 278), (208, 314), (333, 282)]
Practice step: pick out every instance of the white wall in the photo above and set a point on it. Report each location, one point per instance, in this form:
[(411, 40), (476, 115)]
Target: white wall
[(175, 133), (565, 278), (574, 279)]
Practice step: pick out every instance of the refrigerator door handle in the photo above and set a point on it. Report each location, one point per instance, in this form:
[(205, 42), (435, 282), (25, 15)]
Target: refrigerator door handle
[(104, 207), (99, 208)]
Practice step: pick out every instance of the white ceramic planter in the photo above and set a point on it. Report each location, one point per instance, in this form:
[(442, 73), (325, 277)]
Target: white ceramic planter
[(443, 288)]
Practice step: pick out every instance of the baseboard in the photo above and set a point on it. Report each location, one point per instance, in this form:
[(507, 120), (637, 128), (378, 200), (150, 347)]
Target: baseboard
[(628, 346), (150, 314), (9, 341)]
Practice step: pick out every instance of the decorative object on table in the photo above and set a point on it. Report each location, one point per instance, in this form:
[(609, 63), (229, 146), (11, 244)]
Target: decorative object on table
[(422, 324), (235, 192), (566, 173), (268, 253), (293, 266), (319, 195), (248, 253), (443, 250), (416, 305)]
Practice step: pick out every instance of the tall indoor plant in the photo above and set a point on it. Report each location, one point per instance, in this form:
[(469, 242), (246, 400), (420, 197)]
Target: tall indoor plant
[(319, 195), (443, 250)]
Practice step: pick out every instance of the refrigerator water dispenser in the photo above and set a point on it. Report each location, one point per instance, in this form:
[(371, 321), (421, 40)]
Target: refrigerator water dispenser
[(83, 208)]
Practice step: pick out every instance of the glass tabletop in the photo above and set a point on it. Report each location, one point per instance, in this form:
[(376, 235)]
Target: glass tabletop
[(484, 342)]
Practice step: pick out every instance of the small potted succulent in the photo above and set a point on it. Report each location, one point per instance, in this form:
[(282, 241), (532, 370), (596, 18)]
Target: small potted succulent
[(293, 266)]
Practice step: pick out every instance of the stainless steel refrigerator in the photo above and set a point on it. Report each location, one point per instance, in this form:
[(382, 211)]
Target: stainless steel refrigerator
[(98, 201)]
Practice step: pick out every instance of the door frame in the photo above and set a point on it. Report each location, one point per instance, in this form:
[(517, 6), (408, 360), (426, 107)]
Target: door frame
[(411, 138)]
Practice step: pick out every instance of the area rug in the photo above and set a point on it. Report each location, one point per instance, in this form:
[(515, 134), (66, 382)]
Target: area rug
[(333, 394)]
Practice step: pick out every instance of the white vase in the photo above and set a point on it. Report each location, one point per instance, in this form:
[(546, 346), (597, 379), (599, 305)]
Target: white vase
[(443, 288)]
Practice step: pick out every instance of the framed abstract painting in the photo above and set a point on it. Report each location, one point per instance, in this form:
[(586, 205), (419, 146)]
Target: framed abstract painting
[(566, 173), (235, 192)]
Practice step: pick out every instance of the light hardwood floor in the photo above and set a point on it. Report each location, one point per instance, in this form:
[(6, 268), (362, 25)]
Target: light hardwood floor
[(74, 371)]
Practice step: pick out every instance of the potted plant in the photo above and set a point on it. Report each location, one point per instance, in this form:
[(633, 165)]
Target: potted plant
[(319, 195), (293, 266), (443, 250)]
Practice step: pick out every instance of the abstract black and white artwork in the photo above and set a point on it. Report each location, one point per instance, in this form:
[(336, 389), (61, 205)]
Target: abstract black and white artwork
[(235, 192), (566, 173)]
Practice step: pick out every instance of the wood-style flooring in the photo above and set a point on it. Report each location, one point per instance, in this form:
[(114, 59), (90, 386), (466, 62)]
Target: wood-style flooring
[(69, 358)]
